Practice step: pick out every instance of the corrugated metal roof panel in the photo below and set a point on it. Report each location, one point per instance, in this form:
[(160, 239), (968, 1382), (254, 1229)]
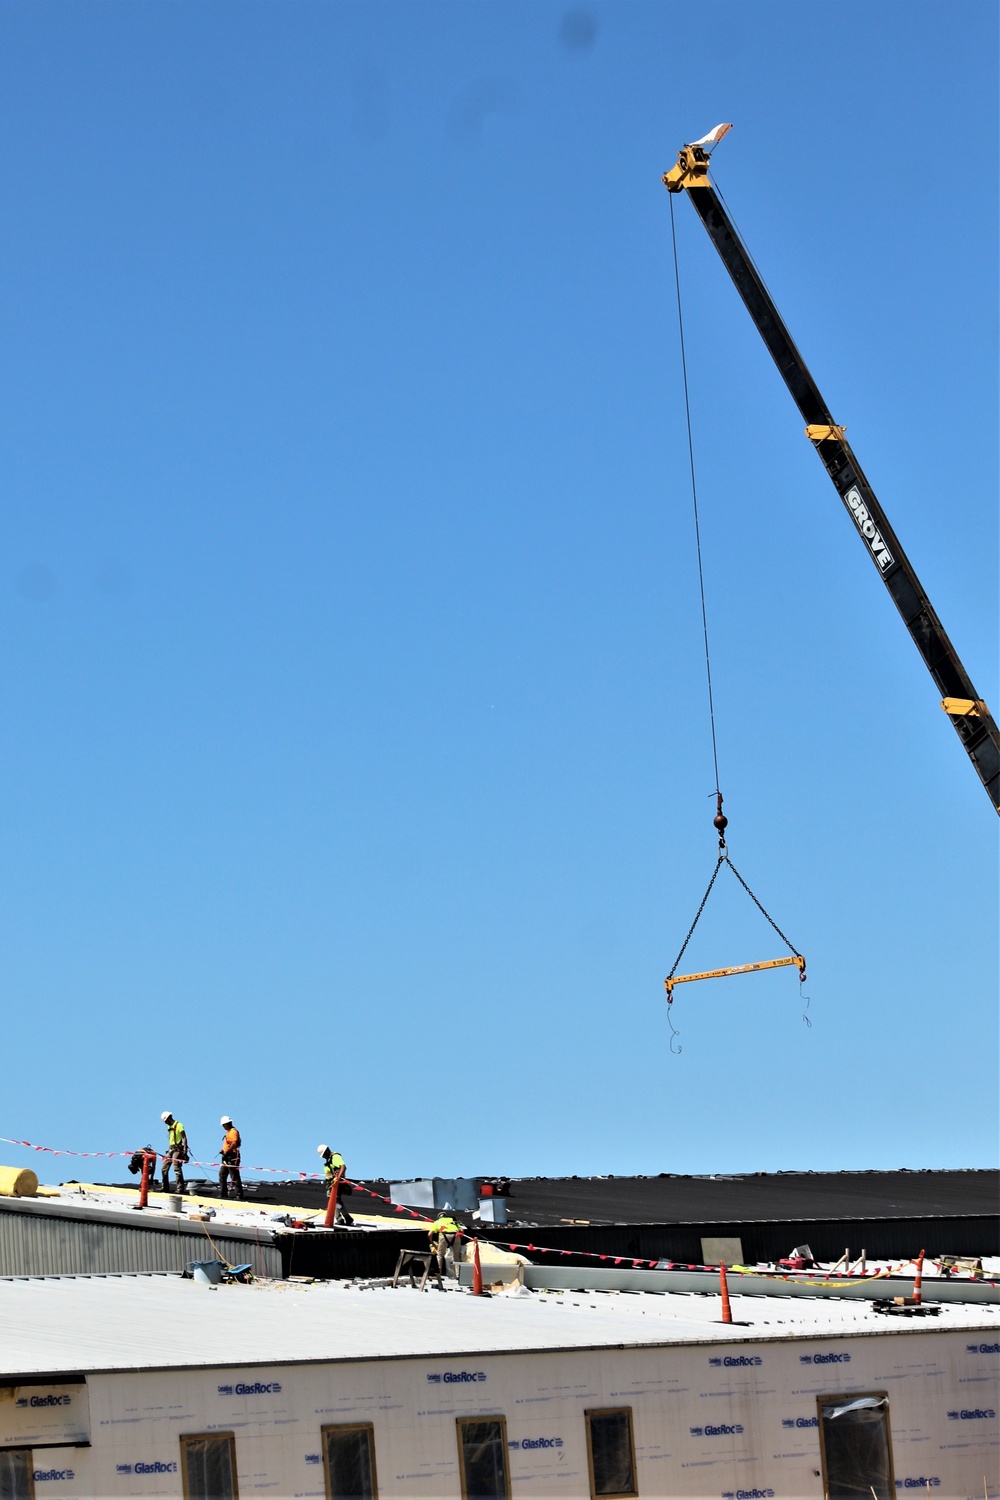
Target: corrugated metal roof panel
[(37, 1242), (152, 1322)]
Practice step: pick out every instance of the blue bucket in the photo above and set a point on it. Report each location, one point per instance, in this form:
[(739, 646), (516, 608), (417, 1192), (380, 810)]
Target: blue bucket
[(208, 1272)]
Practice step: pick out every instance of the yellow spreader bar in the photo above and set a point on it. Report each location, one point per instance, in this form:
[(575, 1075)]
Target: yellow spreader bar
[(767, 963)]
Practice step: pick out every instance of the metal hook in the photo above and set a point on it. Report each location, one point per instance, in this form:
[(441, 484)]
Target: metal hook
[(805, 997)]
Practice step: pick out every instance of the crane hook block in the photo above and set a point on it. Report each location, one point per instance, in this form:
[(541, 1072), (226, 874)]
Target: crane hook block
[(720, 822), (767, 963)]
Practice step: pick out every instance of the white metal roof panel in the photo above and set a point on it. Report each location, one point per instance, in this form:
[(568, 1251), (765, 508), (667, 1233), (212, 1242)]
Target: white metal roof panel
[(133, 1323)]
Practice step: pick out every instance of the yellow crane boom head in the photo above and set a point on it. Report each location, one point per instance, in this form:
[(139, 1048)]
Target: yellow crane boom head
[(691, 170)]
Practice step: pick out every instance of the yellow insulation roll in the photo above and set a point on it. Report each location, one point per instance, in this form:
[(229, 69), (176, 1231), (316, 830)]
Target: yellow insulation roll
[(18, 1182)]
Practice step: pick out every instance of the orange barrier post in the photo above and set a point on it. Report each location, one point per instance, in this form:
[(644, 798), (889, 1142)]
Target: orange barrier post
[(147, 1160), (477, 1271), (917, 1278), (727, 1312), (331, 1204)]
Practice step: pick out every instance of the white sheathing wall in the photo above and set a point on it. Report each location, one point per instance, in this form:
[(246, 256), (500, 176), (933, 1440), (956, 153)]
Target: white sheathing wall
[(37, 1414), (728, 1423)]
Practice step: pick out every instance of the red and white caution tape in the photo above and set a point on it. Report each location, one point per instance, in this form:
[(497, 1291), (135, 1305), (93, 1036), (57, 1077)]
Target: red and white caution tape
[(108, 1155), (286, 1172), (401, 1208)]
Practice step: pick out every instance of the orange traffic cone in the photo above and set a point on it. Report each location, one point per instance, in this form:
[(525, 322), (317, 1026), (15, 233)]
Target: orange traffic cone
[(727, 1312), (477, 1271)]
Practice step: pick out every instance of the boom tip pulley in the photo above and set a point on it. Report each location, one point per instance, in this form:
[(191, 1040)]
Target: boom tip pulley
[(691, 170)]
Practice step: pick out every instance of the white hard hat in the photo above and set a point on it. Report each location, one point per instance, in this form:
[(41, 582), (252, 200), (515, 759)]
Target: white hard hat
[(322, 1150), (166, 1115), (225, 1120)]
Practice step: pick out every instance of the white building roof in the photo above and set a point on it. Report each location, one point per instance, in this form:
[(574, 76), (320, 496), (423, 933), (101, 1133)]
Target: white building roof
[(62, 1324)]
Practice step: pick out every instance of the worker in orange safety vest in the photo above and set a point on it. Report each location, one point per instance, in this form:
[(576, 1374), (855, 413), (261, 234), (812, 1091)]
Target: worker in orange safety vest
[(230, 1158)]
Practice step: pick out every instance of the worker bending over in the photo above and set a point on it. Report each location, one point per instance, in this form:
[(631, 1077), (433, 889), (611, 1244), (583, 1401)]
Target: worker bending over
[(176, 1153), (334, 1167), (445, 1235), (230, 1158)]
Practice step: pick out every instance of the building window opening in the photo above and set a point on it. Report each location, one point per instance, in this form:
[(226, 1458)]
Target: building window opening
[(482, 1451), (209, 1466), (16, 1482), (349, 1461), (611, 1451), (856, 1447)]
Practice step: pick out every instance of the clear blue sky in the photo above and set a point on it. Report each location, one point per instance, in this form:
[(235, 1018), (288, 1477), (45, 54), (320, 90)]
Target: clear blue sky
[(355, 759)]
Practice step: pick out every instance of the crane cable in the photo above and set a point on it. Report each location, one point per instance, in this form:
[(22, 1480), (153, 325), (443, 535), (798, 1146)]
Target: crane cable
[(720, 821), (694, 497)]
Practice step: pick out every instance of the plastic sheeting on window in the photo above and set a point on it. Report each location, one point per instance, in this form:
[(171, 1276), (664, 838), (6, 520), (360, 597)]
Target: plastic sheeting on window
[(208, 1462), (349, 1467), (611, 1453), (484, 1460), (863, 1403), (856, 1449), (15, 1474)]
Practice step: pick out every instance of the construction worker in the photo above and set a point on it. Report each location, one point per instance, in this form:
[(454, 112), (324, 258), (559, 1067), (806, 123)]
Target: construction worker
[(176, 1153), (445, 1235), (334, 1167), (230, 1158)]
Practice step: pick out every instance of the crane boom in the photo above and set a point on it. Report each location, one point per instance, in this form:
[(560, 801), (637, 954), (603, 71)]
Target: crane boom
[(969, 714)]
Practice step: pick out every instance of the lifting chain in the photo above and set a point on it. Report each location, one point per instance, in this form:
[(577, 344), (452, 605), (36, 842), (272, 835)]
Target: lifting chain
[(720, 823), (790, 946), (697, 916)]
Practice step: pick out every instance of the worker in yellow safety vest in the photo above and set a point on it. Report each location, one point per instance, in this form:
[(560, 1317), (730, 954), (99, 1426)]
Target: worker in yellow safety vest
[(445, 1235), (176, 1153), (334, 1167)]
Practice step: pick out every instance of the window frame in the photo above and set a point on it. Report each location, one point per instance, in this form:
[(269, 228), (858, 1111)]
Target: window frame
[(611, 1411), (200, 1437), (467, 1420), (842, 1398), (368, 1427), (20, 1448)]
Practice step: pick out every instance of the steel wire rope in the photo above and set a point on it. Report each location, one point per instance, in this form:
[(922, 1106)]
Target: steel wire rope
[(724, 854), (694, 492), (739, 236)]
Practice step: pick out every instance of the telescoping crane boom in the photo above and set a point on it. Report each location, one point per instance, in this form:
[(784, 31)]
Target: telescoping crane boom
[(969, 714)]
